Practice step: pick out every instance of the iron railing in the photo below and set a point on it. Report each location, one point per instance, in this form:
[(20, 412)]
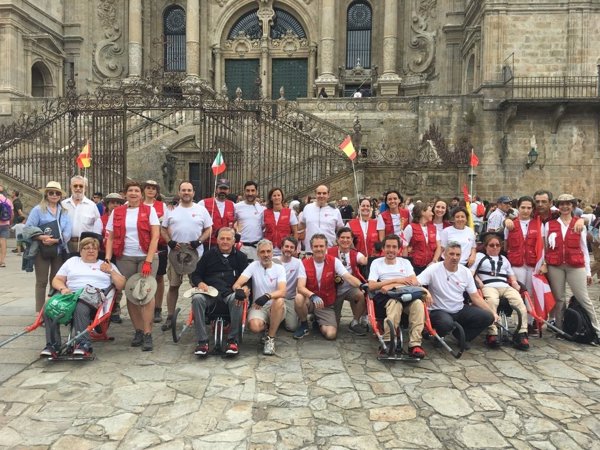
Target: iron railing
[(553, 87)]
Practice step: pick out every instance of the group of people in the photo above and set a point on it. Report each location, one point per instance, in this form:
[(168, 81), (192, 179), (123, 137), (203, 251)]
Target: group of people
[(295, 266)]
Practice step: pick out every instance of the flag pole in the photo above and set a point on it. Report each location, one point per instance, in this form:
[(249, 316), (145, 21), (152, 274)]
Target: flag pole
[(471, 174), (212, 213)]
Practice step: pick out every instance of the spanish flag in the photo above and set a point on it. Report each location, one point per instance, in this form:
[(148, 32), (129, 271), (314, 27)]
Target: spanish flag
[(348, 148), (84, 160)]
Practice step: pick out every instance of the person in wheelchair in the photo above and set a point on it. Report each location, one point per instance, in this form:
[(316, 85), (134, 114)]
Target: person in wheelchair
[(219, 267), (447, 281), (494, 275), (77, 273), (388, 273)]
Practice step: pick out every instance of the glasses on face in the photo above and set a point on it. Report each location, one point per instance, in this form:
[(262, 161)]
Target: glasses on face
[(54, 193), (88, 248), (77, 186), (494, 245)]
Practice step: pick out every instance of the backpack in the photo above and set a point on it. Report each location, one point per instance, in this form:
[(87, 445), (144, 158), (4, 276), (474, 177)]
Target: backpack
[(480, 212), (5, 210), (577, 323)]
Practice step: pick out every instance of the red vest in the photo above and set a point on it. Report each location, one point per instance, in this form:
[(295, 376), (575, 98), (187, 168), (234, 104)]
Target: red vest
[(159, 207), (326, 289), (372, 236), (104, 219), (522, 250), (422, 251), (389, 224), (143, 228), (277, 231), (565, 252), (334, 251), (219, 222)]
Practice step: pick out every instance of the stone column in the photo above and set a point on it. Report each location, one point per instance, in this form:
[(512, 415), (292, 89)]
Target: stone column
[(192, 39), (327, 78), (135, 38), (264, 69), (219, 81), (312, 64), (389, 81)]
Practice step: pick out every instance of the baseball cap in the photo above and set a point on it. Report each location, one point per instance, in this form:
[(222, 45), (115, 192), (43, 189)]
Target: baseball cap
[(223, 182)]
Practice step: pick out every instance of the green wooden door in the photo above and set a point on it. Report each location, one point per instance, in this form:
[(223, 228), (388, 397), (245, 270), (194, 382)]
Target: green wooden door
[(292, 74), (242, 73)]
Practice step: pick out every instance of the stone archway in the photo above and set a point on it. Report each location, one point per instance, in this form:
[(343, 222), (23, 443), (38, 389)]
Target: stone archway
[(41, 81)]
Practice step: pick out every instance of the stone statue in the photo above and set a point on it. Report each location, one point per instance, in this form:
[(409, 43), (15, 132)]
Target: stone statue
[(168, 170)]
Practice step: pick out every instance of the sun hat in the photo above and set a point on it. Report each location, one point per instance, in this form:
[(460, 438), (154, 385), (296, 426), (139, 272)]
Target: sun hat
[(115, 197), (140, 290), (184, 259), (566, 198), (210, 291), (53, 186)]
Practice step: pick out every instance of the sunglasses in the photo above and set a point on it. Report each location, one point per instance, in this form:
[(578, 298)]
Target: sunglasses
[(78, 186), (54, 193), (493, 245)]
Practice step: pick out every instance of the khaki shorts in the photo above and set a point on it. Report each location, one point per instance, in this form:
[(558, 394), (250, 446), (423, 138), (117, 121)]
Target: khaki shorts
[(291, 318), (325, 316), (263, 313), (175, 279)]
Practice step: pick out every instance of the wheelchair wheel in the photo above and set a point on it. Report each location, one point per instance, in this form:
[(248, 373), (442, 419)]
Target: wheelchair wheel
[(393, 337), (176, 337), (503, 333)]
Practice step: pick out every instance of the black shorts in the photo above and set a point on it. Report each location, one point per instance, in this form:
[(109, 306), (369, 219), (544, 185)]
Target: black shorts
[(162, 262)]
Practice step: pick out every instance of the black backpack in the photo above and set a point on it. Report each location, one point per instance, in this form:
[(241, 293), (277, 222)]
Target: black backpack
[(577, 323)]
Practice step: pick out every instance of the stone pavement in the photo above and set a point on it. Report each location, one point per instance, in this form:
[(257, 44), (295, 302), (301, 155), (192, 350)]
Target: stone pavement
[(313, 394)]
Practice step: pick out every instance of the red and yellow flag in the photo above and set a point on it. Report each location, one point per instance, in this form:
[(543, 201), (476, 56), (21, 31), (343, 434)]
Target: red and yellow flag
[(84, 159), (348, 148)]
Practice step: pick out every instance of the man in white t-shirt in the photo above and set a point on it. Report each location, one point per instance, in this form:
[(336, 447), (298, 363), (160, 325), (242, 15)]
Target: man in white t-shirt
[(390, 272), (446, 282), (320, 217), (188, 223), (249, 219), (82, 211), (293, 270), (268, 291), (496, 219)]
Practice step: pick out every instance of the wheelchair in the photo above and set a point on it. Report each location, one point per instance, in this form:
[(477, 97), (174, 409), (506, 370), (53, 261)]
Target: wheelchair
[(506, 335), (219, 321)]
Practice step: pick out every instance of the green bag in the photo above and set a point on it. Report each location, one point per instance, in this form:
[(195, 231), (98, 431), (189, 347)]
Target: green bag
[(62, 305)]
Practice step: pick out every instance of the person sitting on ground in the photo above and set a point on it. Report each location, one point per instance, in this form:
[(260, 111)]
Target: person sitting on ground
[(268, 290), (390, 272), (494, 275), (77, 273), (447, 281), (219, 268), (294, 269), (318, 289)]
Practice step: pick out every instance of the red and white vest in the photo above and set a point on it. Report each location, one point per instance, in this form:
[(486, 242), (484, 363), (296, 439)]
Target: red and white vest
[(335, 252), (143, 228), (521, 250), (326, 289), (372, 236), (389, 224), (567, 251), (219, 221), (277, 231), (422, 251)]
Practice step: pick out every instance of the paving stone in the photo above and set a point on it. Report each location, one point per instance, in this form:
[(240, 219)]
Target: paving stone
[(116, 427), (480, 374), (558, 369), (481, 400), (74, 442), (393, 414), (448, 402), (535, 425), (481, 436), (44, 379), (414, 433)]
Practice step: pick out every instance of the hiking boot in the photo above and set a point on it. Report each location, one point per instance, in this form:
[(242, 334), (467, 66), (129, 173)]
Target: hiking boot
[(83, 350), (138, 338), (167, 325), (492, 341), (116, 318), (157, 315), (269, 347), (521, 341), (232, 347), (301, 331), (48, 351), (201, 349), (147, 342), (417, 352), (357, 328)]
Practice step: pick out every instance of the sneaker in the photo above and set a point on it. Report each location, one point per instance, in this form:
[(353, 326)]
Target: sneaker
[(264, 337), (364, 321), (232, 347), (201, 349), (82, 350), (116, 318), (417, 352), (167, 325), (269, 347), (358, 329), (147, 343), (138, 338), (49, 351), (301, 331), (492, 341), (157, 315), (521, 341)]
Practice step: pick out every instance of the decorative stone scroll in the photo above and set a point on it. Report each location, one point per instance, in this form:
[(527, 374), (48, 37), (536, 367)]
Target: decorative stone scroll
[(422, 42), (242, 44), (290, 43), (108, 51)]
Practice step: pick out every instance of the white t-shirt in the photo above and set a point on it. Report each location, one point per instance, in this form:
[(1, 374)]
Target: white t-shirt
[(464, 237), (408, 233), (487, 265), (132, 243), (344, 258), (264, 280), (496, 220), (219, 204), (79, 274), (325, 220), (186, 224), (380, 271), (339, 270), (250, 221), (396, 221), (446, 287), (294, 269), (83, 215)]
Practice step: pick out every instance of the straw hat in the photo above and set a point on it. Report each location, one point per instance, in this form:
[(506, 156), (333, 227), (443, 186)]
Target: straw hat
[(210, 291), (53, 186), (140, 290)]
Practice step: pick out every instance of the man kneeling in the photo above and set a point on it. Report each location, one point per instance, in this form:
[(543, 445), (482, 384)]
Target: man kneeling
[(391, 272), (268, 288)]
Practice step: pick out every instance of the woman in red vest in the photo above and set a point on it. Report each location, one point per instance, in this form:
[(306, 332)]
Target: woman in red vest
[(423, 239), (441, 215), (568, 260), (394, 219), (278, 222), (133, 231), (524, 243), (153, 198), (364, 229)]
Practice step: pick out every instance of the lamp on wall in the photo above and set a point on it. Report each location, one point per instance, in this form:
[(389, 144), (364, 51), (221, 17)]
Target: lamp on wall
[(532, 157)]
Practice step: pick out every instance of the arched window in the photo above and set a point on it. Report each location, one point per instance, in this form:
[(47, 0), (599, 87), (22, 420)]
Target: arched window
[(174, 32), (41, 82), (283, 22), (249, 24), (359, 23)]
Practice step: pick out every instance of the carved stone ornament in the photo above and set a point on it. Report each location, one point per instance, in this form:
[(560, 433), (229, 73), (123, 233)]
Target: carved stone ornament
[(108, 51), (290, 43), (242, 44), (265, 15), (422, 41), (221, 3)]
